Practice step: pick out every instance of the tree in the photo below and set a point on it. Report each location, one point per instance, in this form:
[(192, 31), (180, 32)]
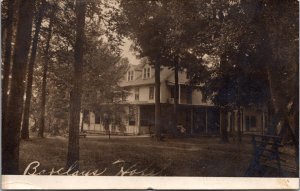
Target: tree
[(38, 22), (101, 71), (282, 37), (266, 25), (75, 95), (223, 125), (144, 24), (11, 128), (178, 32), (7, 55), (248, 36), (45, 72)]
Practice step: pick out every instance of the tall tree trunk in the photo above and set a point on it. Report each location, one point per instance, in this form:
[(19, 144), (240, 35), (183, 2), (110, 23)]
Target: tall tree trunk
[(7, 56), (44, 83), (296, 116), (224, 133), (11, 129), (223, 110), (176, 93), (279, 106), (296, 122), (4, 4), (157, 101), (25, 123), (278, 103), (75, 99)]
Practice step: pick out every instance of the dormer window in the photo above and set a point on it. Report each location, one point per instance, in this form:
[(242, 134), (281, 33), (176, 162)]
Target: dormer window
[(130, 75), (146, 72)]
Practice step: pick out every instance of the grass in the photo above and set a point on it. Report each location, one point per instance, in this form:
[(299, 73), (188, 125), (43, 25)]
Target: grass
[(204, 156)]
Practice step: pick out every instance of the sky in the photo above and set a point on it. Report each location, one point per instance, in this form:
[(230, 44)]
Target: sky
[(129, 53)]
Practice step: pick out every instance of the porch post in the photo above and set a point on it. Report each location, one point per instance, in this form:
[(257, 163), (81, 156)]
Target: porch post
[(89, 116), (206, 130), (263, 123), (192, 120), (138, 119), (179, 97), (220, 121)]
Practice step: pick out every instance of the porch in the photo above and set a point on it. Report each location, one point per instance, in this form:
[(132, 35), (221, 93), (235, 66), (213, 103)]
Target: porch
[(196, 120)]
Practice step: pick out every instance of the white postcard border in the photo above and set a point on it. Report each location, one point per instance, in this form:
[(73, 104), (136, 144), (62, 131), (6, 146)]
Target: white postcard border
[(114, 182)]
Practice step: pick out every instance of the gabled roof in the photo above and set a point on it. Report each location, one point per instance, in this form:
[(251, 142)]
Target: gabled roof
[(166, 75)]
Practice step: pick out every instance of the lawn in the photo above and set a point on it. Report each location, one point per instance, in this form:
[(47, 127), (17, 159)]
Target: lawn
[(203, 156)]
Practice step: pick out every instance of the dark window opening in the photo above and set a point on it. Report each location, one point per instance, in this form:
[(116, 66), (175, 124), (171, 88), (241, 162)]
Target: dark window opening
[(247, 123), (131, 116), (253, 121), (148, 72), (86, 116), (189, 95), (97, 118), (130, 76)]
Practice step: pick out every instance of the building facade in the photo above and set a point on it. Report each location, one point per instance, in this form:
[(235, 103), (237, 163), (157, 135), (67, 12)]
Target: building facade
[(136, 108)]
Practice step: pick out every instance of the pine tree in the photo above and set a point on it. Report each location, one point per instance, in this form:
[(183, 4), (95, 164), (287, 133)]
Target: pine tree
[(76, 92), (25, 123), (11, 128)]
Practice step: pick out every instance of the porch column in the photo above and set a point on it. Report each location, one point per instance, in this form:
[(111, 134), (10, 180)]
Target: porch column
[(179, 96), (88, 121), (138, 111), (192, 121), (136, 129), (220, 121), (206, 128), (81, 118), (263, 123)]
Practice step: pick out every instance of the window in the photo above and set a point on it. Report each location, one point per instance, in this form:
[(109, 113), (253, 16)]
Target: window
[(250, 122), (97, 118), (136, 94), (86, 117), (189, 95), (130, 75), (131, 116), (151, 93), (247, 123), (253, 121), (146, 72)]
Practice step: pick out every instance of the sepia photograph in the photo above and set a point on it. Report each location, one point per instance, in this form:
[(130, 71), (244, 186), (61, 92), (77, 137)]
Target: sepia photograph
[(169, 94)]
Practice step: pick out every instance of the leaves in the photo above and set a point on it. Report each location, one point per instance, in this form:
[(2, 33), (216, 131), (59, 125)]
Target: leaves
[(102, 67)]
